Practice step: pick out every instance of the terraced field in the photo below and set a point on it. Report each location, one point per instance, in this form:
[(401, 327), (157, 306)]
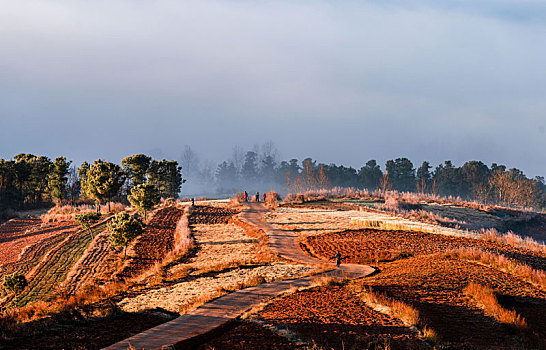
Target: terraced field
[(369, 246), (96, 265), (46, 277)]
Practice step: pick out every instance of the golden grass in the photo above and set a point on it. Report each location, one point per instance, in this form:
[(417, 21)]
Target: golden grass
[(510, 238), (498, 261), (67, 212), (386, 305), (487, 300)]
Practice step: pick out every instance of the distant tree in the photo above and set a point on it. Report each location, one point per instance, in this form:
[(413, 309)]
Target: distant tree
[(447, 179), (308, 175), (166, 176), (401, 174), (136, 167), (474, 178), (190, 162), (267, 170), (86, 220), (226, 175), (144, 197), (102, 181), (33, 174), (370, 175), (15, 282), (323, 180), (73, 185), (124, 229), (249, 171), (58, 179), (424, 178)]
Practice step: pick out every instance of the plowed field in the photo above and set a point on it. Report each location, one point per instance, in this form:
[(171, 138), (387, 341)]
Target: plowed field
[(97, 264), (52, 270), (433, 285), (156, 241), (210, 215), (334, 317), (367, 246), (17, 234)]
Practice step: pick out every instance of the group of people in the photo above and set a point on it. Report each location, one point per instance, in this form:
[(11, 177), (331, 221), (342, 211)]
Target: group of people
[(256, 198)]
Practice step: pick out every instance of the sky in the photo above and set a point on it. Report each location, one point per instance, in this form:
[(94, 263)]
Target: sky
[(339, 81)]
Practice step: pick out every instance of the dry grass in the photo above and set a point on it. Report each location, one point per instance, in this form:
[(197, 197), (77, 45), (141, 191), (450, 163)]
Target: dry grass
[(74, 306), (395, 308), (525, 272), (183, 240), (487, 300), (272, 199), (179, 297), (510, 238), (68, 212)]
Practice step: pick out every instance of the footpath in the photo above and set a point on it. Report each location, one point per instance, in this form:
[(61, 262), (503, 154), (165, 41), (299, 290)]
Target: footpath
[(218, 312)]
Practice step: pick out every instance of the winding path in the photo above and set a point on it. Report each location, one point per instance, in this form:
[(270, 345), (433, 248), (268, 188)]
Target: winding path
[(219, 311)]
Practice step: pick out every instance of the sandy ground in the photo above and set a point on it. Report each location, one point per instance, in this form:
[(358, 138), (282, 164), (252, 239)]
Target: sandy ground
[(175, 298), (218, 247), (307, 222), (219, 244)]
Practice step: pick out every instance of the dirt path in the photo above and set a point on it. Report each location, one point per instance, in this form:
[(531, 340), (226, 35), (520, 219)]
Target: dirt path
[(219, 311)]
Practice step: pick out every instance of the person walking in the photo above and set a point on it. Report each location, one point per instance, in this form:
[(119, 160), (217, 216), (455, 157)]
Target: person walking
[(264, 197), (246, 197), (337, 257), (257, 196)]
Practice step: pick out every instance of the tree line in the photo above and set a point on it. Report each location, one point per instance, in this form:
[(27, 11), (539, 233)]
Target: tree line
[(29, 181), (474, 180)]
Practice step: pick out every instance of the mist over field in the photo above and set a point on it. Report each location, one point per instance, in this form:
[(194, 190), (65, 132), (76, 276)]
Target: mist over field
[(339, 82)]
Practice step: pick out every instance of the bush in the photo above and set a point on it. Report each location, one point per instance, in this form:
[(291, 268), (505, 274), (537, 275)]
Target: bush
[(15, 283), (86, 220), (272, 199), (124, 229)]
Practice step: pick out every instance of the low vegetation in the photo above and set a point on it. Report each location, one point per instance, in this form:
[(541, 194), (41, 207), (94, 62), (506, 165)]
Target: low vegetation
[(486, 299)]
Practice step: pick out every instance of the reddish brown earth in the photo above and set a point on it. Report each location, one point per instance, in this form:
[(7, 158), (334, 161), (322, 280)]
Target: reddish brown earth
[(249, 336), (17, 234), (434, 286), (203, 214), (87, 334), (367, 246), (156, 241), (22, 250), (334, 317)]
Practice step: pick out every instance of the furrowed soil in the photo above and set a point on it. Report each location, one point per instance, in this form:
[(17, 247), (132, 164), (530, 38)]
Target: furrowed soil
[(209, 215), (89, 334), (44, 280), (96, 266), (368, 246), (156, 241), (250, 336), (18, 234), (334, 317), (434, 286)]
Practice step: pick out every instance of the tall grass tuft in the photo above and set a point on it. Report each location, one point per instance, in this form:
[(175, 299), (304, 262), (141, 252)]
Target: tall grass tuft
[(487, 300), (501, 262)]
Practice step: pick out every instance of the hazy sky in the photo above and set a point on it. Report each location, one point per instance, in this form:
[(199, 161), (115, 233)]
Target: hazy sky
[(340, 81)]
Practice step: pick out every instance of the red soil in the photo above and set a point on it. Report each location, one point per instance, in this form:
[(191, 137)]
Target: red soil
[(249, 336), (87, 334), (17, 234), (156, 241), (210, 215), (23, 242), (434, 286), (367, 246), (334, 317)]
